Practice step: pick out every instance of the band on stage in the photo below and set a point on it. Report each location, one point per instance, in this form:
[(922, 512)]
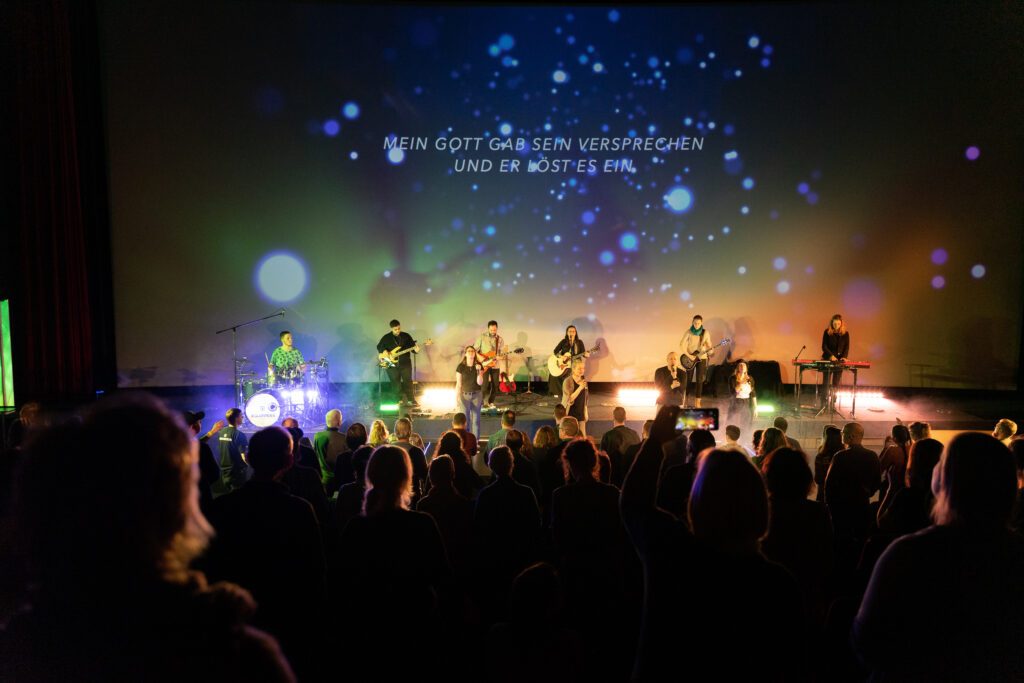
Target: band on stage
[(478, 377)]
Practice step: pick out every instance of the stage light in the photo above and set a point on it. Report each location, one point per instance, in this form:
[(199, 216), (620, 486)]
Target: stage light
[(765, 408), (389, 407), (870, 399), (638, 397), (438, 399), (311, 394)]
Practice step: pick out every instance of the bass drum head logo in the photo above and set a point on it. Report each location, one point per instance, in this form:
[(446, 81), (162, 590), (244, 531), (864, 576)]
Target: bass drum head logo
[(263, 409)]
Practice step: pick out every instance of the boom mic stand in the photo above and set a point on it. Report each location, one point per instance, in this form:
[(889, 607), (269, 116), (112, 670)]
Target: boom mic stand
[(234, 346)]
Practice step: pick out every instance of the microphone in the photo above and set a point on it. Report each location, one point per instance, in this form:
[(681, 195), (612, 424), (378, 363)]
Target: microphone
[(800, 351)]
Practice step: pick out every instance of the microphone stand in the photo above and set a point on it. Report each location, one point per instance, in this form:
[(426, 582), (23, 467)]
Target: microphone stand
[(234, 345), (799, 385)]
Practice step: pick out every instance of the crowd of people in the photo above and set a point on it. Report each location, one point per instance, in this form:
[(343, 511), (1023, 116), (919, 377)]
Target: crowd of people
[(137, 546)]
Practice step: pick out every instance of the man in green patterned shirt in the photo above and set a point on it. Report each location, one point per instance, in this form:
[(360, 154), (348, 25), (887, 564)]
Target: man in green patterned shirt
[(286, 361)]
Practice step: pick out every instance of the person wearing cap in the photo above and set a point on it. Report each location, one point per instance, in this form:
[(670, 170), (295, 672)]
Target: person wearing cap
[(233, 444), (209, 470)]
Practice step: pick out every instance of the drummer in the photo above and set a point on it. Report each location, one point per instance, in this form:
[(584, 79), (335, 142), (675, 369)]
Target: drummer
[(287, 361)]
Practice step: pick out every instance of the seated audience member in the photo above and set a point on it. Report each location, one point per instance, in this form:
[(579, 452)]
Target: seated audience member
[(303, 478), (559, 415), (629, 454), (534, 644), (507, 529), (589, 542), (289, 423), (907, 506), (546, 437), (393, 568), (417, 441), (355, 436), (328, 445), (615, 442), (799, 530), (755, 439), (710, 577), (771, 438), (894, 455), (551, 470), (1005, 430), (508, 422), (524, 470), (109, 595), (268, 541), (677, 480), (852, 479), (920, 430), (350, 496), (831, 443), (452, 512), (782, 425), (402, 436), (28, 418), (378, 434), (944, 604), (469, 441), (732, 441), (467, 482)]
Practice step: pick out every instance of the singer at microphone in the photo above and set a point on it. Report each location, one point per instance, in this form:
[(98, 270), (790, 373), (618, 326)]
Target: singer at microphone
[(575, 394)]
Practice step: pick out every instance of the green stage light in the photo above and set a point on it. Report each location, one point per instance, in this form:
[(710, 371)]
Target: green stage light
[(389, 407), (6, 358), (765, 408)]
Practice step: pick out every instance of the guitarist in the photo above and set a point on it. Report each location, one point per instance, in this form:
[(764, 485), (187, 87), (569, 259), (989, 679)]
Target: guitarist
[(697, 348), (488, 346), (571, 345), (401, 374)]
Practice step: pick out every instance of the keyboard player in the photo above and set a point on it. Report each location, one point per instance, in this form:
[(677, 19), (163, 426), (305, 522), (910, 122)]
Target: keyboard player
[(835, 347)]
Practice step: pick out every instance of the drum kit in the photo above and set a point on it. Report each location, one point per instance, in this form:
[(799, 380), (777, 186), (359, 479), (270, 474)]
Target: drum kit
[(299, 391)]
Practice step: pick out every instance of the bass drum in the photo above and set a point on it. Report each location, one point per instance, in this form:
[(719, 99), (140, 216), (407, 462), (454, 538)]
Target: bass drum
[(263, 408)]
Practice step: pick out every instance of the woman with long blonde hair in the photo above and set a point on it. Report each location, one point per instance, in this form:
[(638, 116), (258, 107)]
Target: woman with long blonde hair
[(378, 433)]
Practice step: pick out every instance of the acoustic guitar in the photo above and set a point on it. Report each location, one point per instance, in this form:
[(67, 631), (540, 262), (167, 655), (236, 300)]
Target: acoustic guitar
[(558, 364), (491, 358)]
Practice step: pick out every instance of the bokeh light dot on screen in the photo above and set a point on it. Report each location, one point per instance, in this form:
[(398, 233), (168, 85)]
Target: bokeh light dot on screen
[(560, 76), (607, 258), (588, 217), (978, 271), (782, 287), (613, 15), (350, 110), (598, 68), (487, 285), (938, 282), (812, 198), (652, 62), (779, 263), (396, 156), (972, 153), (331, 127), (748, 183), (940, 256), (629, 241), (353, 155), (505, 129), (803, 188), (684, 295), (753, 42), (506, 41), (744, 210), (742, 270), (679, 199), (387, 273), (281, 277), (862, 298), (490, 230)]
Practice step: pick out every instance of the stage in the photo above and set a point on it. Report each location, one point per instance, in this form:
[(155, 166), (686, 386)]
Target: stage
[(877, 409)]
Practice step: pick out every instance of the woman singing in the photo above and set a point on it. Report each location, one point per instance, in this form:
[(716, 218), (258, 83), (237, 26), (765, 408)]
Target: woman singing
[(469, 381), (835, 347), (570, 346), (744, 399)]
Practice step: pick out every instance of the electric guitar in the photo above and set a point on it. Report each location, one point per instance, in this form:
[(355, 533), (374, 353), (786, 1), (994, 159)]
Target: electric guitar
[(491, 358), (389, 359), (558, 364), (688, 363)]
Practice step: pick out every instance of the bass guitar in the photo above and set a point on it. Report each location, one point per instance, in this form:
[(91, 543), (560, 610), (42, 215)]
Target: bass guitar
[(688, 363), (558, 364), (389, 359), (491, 358)]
